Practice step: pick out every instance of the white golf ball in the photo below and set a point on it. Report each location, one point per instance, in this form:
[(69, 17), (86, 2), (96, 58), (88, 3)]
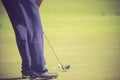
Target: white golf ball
[(59, 65)]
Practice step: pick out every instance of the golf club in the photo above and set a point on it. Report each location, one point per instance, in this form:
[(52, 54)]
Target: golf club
[(64, 68)]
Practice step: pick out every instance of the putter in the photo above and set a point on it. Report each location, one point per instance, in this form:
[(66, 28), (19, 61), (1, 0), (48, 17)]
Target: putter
[(64, 68)]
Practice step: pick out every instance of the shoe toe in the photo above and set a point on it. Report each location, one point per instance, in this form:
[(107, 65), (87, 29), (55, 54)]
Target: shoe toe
[(48, 75)]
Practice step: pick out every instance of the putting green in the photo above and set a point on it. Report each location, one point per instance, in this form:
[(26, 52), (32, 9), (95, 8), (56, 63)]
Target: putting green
[(84, 34)]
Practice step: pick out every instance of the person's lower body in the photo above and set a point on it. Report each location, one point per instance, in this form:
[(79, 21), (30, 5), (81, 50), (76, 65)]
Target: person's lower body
[(24, 16)]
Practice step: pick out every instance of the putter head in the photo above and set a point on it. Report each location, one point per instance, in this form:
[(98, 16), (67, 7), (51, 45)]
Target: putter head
[(66, 67)]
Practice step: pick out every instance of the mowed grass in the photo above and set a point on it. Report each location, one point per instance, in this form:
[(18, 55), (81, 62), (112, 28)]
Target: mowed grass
[(81, 36)]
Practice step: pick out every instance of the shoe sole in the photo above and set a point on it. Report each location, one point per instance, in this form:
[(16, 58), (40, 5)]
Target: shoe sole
[(49, 78), (38, 78), (24, 77)]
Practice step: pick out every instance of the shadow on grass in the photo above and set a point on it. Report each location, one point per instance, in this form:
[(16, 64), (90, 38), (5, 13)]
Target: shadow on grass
[(19, 78), (14, 79)]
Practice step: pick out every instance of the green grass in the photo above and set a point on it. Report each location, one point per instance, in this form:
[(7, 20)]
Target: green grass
[(80, 35)]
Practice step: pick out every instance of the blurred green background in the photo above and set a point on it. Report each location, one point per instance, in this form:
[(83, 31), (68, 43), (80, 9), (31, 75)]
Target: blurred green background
[(84, 34)]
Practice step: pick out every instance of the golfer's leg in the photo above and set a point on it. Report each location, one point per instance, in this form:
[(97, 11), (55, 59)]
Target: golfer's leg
[(36, 41), (35, 34), (18, 22)]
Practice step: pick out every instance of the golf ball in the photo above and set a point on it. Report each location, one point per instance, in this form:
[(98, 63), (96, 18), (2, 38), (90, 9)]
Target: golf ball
[(59, 65)]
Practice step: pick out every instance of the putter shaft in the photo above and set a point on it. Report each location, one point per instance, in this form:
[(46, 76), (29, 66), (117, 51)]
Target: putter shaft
[(53, 51)]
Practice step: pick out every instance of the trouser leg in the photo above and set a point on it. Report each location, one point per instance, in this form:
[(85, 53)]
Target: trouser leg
[(35, 35), (29, 35), (18, 22)]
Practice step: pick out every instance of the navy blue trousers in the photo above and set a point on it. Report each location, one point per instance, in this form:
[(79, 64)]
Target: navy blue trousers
[(25, 19)]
